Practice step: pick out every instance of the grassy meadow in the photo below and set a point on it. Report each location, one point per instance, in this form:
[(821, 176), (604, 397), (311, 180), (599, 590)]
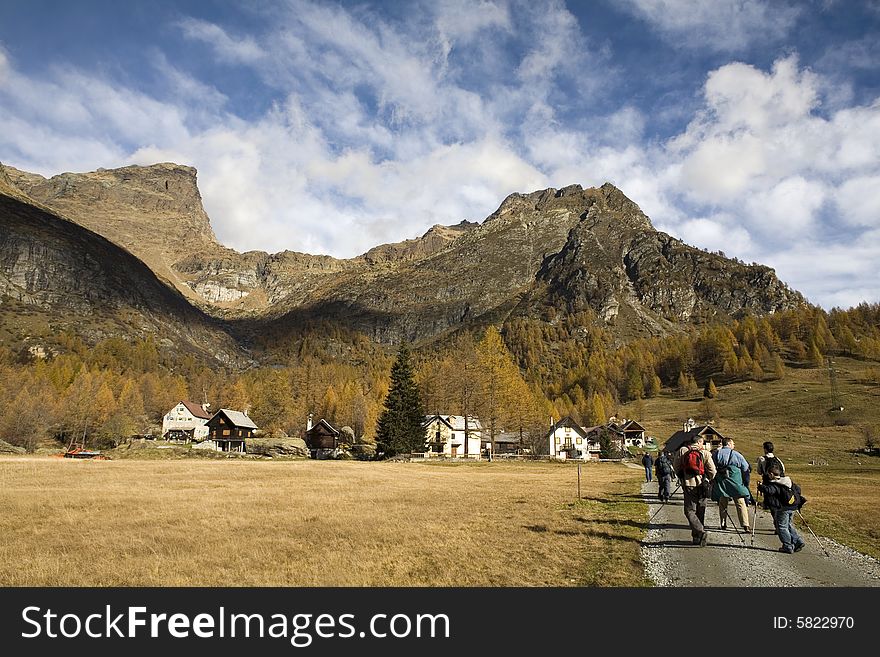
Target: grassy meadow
[(308, 523), (820, 449)]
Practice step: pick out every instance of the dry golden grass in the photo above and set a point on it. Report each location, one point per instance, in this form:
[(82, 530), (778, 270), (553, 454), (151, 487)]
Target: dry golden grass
[(821, 451), (306, 523)]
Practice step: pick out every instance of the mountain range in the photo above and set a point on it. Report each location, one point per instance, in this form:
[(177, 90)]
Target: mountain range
[(130, 252)]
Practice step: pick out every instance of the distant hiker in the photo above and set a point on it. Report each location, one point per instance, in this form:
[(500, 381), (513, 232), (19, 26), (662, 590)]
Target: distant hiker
[(648, 462), (729, 483), (764, 463), (784, 499), (695, 468), (664, 471)]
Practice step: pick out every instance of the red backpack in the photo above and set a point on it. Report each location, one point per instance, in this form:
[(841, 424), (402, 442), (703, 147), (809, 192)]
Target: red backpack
[(692, 463)]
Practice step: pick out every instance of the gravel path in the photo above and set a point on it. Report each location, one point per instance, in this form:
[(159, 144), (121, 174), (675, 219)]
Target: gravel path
[(672, 560)]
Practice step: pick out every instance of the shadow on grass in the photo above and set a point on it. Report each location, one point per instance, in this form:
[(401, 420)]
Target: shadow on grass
[(612, 521), (615, 499)]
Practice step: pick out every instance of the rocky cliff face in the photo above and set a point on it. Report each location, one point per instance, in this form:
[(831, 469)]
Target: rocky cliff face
[(645, 282), (574, 249), (56, 275)]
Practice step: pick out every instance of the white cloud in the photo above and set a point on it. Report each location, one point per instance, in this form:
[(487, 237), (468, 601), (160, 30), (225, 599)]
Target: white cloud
[(858, 201), (786, 211), (716, 234), (226, 47), (721, 25)]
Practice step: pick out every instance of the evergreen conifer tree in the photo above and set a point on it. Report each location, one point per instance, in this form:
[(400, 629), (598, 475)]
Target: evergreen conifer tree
[(710, 391), (400, 427)]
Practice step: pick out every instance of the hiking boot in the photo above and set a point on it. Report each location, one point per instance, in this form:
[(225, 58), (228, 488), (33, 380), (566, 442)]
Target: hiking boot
[(799, 547), (785, 549), (723, 524), (704, 538)]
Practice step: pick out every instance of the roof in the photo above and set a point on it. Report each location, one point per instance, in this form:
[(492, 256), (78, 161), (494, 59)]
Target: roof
[(456, 422), (326, 425), (567, 421), (237, 418), (631, 425), (197, 410), (682, 437), (510, 437)]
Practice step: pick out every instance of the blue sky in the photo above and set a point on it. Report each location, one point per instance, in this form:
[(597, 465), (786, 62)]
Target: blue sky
[(748, 126)]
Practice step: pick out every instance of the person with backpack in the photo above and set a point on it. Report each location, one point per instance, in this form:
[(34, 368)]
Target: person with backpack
[(729, 483), (695, 468), (764, 464), (664, 471), (765, 461), (785, 499), (648, 462)]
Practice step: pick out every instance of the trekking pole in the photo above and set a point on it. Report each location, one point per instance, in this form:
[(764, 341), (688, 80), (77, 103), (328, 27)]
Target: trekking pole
[(735, 528), (813, 533), (754, 521), (664, 503)]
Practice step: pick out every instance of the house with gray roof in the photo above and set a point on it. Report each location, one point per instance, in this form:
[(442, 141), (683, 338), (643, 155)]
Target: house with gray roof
[(230, 429)]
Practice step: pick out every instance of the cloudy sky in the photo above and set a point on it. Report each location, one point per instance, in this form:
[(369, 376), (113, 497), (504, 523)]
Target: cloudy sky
[(748, 126)]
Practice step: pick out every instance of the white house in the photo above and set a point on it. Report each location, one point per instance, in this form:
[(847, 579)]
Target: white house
[(445, 436), (567, 440), (186, 422)]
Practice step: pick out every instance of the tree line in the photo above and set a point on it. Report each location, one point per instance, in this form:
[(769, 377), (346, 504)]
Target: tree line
[(514, 378)]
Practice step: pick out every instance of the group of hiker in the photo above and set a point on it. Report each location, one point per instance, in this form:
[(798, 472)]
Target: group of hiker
[(723, 475)]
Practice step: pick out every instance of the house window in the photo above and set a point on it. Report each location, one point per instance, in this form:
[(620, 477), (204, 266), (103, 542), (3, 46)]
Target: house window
[(567, 430), (580, 441), (226, 432), (558, 440), (438, 435)]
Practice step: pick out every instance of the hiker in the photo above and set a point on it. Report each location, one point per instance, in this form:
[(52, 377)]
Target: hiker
[(764, 463), (664, 471), (648, 462), (695, 468), (784, 498), (729, 483)]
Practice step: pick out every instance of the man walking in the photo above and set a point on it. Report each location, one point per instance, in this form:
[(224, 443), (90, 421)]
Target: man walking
[(695, 468), (648, 462), (732, 472), (664, 471)]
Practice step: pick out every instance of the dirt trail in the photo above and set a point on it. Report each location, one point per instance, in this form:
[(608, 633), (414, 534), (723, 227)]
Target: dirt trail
[(672, 560)]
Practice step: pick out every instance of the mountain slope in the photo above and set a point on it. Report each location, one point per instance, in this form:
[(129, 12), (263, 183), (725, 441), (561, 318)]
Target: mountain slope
[(571, 250), (56, 275)]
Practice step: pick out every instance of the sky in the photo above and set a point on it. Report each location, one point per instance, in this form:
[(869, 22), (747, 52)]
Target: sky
[(746, 126)]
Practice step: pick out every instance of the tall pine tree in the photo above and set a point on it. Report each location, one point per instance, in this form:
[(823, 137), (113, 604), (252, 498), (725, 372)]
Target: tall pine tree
[(400, 429)]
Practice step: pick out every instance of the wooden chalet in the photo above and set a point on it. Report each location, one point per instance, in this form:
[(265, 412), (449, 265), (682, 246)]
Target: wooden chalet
[(633, 433), (322, 439), (230, 429), (688, 433)]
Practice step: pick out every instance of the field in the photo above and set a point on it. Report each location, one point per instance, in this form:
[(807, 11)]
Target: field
[(307, 523), (821, 450)]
